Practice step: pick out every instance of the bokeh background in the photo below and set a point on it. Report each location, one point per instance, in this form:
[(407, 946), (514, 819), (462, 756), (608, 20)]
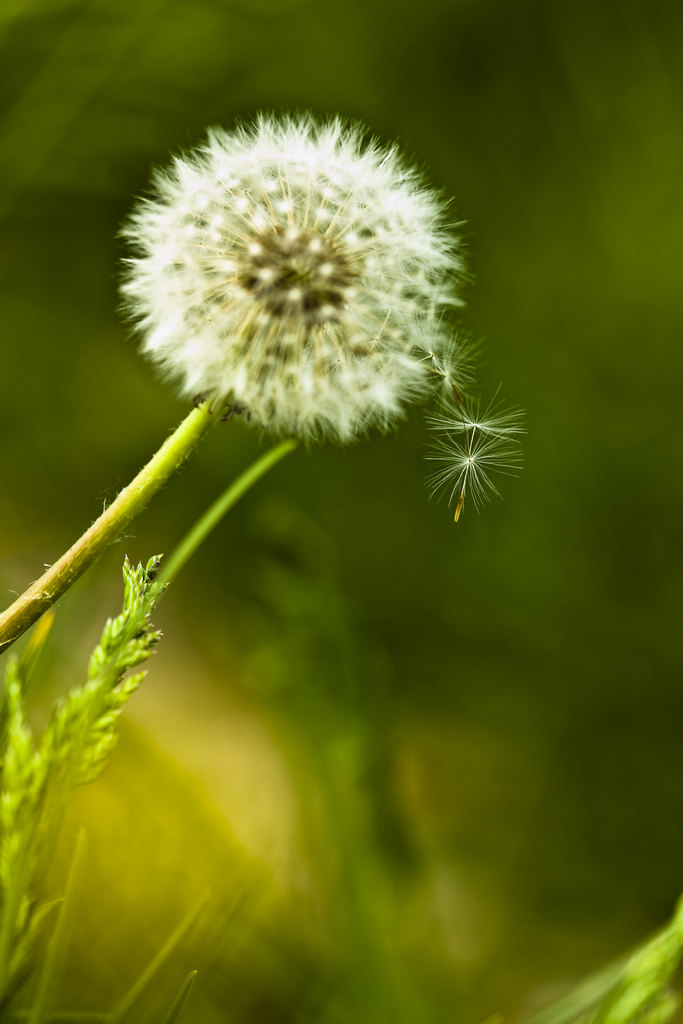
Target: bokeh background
[(426, 772)]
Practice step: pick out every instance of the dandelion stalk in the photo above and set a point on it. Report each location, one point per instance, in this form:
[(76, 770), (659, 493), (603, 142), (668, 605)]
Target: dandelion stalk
[(42, 594), (223, 504)]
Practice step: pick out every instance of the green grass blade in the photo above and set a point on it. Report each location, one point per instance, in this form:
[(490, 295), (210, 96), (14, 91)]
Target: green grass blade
[(135, 991), (181, 998), (628, 988), (584, 997), (59, 939), (26, 665), (29, 657)]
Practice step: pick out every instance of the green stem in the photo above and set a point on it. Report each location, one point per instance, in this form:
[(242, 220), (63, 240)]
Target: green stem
[(223, 504), (42, 594)]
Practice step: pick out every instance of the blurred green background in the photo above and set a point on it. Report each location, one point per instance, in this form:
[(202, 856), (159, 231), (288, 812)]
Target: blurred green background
[(427, 771)]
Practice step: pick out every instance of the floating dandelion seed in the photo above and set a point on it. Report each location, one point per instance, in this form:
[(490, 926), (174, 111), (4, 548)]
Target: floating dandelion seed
[(472, 444), (298, 272)]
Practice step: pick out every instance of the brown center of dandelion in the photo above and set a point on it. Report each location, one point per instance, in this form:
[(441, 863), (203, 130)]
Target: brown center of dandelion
[(294, 272)]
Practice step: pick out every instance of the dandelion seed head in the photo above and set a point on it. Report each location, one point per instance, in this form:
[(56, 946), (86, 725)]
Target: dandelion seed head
[(297, 270)]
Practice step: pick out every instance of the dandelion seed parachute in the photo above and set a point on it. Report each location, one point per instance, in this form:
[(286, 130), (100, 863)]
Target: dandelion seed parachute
[(298, 271), (472, 445)]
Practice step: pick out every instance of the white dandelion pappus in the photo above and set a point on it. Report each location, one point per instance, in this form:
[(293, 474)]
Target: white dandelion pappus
[(469, 415), (296, 271), (473, 444)]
